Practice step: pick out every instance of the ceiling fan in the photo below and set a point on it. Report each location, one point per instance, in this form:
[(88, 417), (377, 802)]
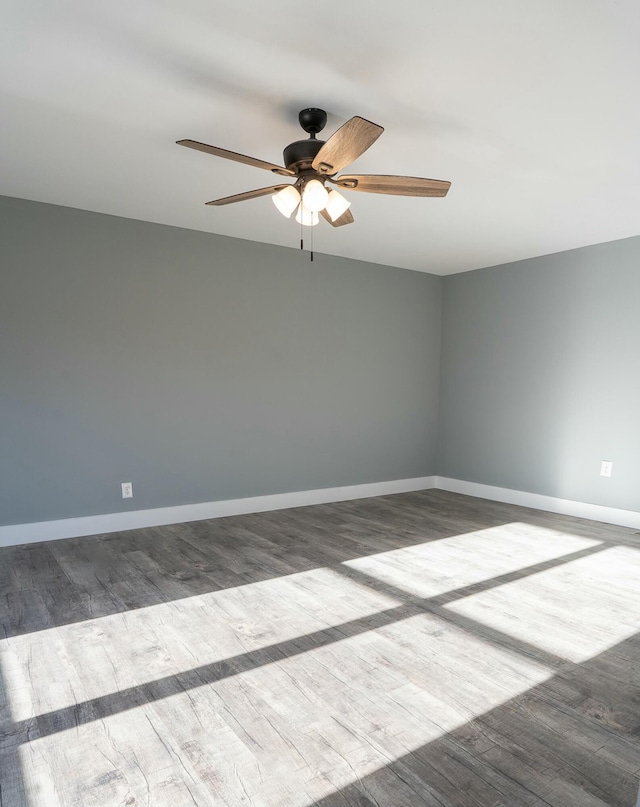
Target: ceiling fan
[(313, 163)]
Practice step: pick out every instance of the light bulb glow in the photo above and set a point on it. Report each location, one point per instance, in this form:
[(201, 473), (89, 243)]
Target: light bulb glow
[(315, 196), (306, 217), (337, 205), (287, 200)]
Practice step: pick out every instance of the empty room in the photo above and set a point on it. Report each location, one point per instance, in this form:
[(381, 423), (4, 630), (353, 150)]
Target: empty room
[(319, 404)]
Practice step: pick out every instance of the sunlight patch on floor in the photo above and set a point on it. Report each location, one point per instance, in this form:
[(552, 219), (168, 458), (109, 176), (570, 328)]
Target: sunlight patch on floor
[(295, 730), (435, 567), (86, 660), (604, 592)]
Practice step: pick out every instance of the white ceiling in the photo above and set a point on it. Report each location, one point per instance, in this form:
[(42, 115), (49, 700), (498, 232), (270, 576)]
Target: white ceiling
[(530, 109)]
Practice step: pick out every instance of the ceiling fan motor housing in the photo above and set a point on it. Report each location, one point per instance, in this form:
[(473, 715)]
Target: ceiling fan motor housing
[(298, 156)]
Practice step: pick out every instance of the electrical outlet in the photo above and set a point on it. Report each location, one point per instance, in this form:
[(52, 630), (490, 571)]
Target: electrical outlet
[(606, 468), (127, 490)]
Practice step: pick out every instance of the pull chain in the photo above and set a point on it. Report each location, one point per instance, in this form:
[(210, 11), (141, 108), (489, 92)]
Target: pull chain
[(302, 236)]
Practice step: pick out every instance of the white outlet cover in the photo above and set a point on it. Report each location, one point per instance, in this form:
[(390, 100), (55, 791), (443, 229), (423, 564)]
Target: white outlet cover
[(606, 468), (127, 490)]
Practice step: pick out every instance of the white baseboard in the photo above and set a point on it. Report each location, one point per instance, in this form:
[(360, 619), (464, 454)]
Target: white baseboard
[(567, 507), (134, 519)]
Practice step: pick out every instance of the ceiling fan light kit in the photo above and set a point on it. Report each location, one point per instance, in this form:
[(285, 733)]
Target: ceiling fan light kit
[(287, 200), (306, 217), (337, 204), (315, 196), (312, 163)]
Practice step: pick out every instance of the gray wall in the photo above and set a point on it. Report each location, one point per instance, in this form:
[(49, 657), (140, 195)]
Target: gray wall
[(541, 375), (205, 368), (201, 367)]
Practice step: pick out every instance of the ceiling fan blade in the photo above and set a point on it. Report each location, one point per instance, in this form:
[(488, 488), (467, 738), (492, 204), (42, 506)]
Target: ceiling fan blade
[(346, 145), (232, 155), (345, 218), (242, 197), (395, 186)]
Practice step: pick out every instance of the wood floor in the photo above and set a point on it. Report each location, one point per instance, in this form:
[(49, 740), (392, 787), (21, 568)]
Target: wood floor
[(417, 649)]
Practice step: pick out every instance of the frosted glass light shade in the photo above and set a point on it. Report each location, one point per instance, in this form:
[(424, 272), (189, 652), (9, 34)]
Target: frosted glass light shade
[(336, 205), (315, 196), (286, 200), (309, 218)]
